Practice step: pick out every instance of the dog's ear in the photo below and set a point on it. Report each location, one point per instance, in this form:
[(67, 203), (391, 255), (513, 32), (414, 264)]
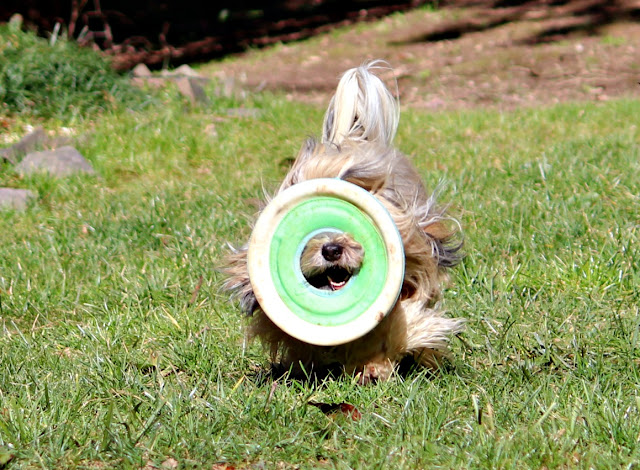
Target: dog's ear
[(447, 244), (238, 282), (248, 303), (305, 154), (438, 231)]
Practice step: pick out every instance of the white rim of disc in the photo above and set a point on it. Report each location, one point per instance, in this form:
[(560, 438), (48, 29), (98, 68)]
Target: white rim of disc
[(263, 284)]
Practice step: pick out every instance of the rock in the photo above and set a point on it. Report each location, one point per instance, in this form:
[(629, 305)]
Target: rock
[(61, 141), (234, 87), (186, 71), (31, 141), (182, 71), (15, 198), (141, 70), (59, 162), (189, 83), (228, 87), (190, 88), (15, 22), (7, 155)]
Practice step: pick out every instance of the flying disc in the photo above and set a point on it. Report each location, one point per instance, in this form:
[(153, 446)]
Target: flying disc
[(291, 219)]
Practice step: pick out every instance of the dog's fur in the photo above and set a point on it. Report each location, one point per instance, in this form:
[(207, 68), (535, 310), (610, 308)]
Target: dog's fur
[(358, 131)]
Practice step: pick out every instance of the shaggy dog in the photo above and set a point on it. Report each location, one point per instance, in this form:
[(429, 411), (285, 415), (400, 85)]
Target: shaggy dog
[(356, 146)]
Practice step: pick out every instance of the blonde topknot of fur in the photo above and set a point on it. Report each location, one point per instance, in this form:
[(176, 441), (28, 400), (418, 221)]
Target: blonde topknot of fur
[(362, 108)]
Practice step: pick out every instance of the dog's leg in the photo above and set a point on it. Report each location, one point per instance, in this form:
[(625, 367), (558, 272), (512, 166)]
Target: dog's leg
[(428, 332), (374, 356)]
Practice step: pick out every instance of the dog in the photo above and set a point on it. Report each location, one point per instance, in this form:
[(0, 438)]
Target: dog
[(356, 146)]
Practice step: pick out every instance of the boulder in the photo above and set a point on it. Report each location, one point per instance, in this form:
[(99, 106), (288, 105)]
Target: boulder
[(15, 198), (190, 88), (62, 161), (34, 139)]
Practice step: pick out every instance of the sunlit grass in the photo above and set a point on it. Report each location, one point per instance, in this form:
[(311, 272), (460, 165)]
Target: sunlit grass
[(117, 349)]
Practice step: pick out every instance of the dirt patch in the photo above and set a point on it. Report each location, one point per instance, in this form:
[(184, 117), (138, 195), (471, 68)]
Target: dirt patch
[(502, 54)]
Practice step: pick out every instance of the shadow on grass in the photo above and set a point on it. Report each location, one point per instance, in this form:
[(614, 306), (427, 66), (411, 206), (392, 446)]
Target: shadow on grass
[(566, 18), (317, 377)]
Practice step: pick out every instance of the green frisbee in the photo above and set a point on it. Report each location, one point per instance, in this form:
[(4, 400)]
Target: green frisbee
[(282, 231)]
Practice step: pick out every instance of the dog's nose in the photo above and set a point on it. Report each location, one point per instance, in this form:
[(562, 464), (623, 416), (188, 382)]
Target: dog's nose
[(331, 251)]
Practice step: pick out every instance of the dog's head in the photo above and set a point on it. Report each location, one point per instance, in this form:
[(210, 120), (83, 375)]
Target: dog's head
[(330, 259)]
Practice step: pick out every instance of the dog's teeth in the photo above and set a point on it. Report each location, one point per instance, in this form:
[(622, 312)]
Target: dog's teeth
[(336, 285)]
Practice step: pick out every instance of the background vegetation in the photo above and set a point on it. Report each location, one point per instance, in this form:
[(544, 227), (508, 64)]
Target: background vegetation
[(56, 78)]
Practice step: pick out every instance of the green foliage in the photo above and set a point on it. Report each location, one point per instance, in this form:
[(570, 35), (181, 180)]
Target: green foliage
[(60, 80)]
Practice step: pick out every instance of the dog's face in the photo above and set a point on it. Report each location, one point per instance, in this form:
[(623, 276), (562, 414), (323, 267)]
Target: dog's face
[(330, 259)]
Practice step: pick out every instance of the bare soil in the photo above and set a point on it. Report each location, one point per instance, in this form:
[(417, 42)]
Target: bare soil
[(466, 55)]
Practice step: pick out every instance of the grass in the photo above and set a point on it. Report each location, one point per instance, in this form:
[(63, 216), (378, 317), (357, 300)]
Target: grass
[(117, 349)]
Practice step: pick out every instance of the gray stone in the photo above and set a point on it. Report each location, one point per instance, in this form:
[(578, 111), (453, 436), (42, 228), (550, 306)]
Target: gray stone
[(228, 87), (190, 88), (15, 22), (7, 155), (15, 198), (59, 162), (188, 81), (31, 141), (141, 70), (186, 71), (182, 71), (61, 141)]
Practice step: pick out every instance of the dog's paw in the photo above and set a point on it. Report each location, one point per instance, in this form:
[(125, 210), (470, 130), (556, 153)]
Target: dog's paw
[(374, 372)]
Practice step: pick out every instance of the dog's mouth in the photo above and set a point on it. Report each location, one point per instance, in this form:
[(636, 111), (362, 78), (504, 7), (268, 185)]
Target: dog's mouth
[(333, 278)]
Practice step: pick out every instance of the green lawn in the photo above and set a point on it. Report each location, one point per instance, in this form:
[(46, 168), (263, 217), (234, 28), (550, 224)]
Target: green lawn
[(117, 348)]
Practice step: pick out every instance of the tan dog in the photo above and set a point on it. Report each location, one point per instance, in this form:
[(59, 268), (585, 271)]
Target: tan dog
[(358, 131)]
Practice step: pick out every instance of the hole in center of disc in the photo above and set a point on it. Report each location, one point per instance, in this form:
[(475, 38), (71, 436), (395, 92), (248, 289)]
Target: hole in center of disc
[(330, 259)]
